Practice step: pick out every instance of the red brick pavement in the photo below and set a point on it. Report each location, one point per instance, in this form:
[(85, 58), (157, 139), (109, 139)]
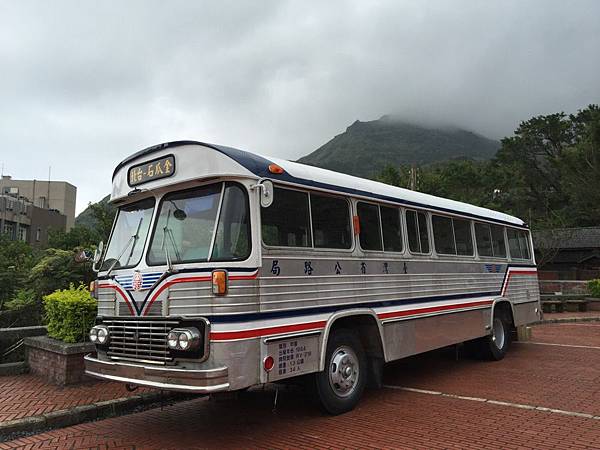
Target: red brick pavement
[(29, 395), (559, 377), (385, 419), (579, 333), (572, 315)]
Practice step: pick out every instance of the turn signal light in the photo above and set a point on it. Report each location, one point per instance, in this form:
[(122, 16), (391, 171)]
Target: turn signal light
[(93, 286), (274, 168), (219, 282)]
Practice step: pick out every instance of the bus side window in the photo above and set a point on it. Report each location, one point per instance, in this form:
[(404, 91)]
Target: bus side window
[(286, 222), (370, 235), (483, 237), (416, 228), (518, 244), (462, 237), (330, 221), (392, 229), (443, 235), (498, 244)]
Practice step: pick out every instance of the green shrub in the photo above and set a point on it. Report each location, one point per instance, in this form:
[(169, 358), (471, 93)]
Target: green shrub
[(70, 313), (594, 287), (23, 299)]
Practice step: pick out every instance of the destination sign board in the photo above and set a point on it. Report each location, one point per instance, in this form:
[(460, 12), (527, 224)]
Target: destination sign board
[(151, 170)]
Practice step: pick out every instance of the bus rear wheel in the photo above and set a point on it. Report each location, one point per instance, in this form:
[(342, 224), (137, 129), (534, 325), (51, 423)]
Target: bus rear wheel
[(340, 386)]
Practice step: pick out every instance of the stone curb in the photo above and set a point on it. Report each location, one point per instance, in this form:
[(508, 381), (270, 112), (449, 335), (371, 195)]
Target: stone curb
[(14, 368), (84, 413), (568, 320)]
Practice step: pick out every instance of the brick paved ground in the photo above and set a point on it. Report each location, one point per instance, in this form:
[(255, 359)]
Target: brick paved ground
[(580, 333), (29, 395), (571, 315), (565, 378)]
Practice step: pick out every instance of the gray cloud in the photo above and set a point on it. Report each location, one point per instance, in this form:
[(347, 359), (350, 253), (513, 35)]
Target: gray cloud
[(84, 84)]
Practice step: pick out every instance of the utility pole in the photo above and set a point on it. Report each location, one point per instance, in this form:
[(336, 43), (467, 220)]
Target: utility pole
[(412, 183), (48, 198)]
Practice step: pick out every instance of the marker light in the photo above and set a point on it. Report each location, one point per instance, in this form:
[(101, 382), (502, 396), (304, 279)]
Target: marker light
[(219, 282), (356, 222), (276, 169), (268, 363)]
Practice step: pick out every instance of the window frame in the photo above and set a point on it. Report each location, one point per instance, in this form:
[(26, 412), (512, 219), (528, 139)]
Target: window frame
[(429, 232), (504, 228), (474, 254), (158, 208), (310, 221), (380, 228), (148, 239), (527, 238), (285, 247)]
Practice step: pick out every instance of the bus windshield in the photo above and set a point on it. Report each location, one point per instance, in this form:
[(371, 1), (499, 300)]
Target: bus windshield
[(129, 235), (209, 223)]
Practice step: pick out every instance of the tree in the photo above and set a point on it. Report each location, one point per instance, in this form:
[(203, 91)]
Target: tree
[(104, 216), (77, 237), (16, 259), (57, 269), (546, 174)]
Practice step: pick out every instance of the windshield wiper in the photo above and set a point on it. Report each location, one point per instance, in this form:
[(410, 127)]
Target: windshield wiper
[(168, 232), (134, 238)]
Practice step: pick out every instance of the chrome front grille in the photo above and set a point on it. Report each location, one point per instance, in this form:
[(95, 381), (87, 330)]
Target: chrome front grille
[(140, 340)]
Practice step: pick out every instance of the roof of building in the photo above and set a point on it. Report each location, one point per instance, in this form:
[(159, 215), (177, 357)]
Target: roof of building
[(326, 179), (564, 238)]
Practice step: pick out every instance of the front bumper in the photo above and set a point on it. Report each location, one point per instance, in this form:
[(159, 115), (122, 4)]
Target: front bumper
[(172, 379)]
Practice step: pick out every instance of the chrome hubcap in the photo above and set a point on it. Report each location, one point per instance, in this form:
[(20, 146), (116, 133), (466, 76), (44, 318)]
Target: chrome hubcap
[(343, 371), (498, 333)]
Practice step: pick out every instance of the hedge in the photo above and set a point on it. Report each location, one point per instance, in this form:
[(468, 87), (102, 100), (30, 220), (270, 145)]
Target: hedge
[(594, 287), (70, 313)]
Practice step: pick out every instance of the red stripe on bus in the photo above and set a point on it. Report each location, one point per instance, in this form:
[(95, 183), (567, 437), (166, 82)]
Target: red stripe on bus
[(259, 332), (511, 273), (231, 335), (118, 289), (190, 280), (433, 309)]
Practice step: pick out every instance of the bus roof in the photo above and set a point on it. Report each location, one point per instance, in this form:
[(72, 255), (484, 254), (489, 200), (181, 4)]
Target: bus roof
[(310, 176)]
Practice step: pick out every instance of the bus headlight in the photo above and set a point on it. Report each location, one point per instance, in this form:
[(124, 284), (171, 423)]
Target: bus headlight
[(183, 339), (99, 334)]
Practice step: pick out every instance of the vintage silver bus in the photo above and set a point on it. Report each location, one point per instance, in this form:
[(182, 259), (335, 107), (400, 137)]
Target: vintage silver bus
[(226, 269)]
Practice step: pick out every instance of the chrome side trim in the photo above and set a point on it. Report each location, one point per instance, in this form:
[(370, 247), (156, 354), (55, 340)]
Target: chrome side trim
[(433, 314), (291, 336)]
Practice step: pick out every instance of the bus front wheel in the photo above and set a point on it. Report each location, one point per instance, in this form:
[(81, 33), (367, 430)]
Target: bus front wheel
[(340, 386)]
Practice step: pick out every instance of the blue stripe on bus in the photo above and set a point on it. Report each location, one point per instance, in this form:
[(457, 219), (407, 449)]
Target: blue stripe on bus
[(246, 317)]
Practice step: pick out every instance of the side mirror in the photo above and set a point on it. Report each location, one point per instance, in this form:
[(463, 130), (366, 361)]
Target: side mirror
[(97, 256), (266, 193)]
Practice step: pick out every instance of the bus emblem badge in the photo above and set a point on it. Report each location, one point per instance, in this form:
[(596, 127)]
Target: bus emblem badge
[(138, 278)]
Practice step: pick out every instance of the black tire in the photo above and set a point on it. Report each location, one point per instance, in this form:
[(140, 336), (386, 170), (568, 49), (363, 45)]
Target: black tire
[(495, 346), (340, 386)]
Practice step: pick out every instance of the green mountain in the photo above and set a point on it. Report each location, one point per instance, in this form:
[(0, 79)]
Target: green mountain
[(365, 148), (87, 219)]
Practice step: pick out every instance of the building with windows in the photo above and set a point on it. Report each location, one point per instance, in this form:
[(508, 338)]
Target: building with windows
[(49, 195), (21, 220)]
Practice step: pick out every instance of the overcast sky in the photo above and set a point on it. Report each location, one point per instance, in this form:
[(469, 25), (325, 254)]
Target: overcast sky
[(83, 84)]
